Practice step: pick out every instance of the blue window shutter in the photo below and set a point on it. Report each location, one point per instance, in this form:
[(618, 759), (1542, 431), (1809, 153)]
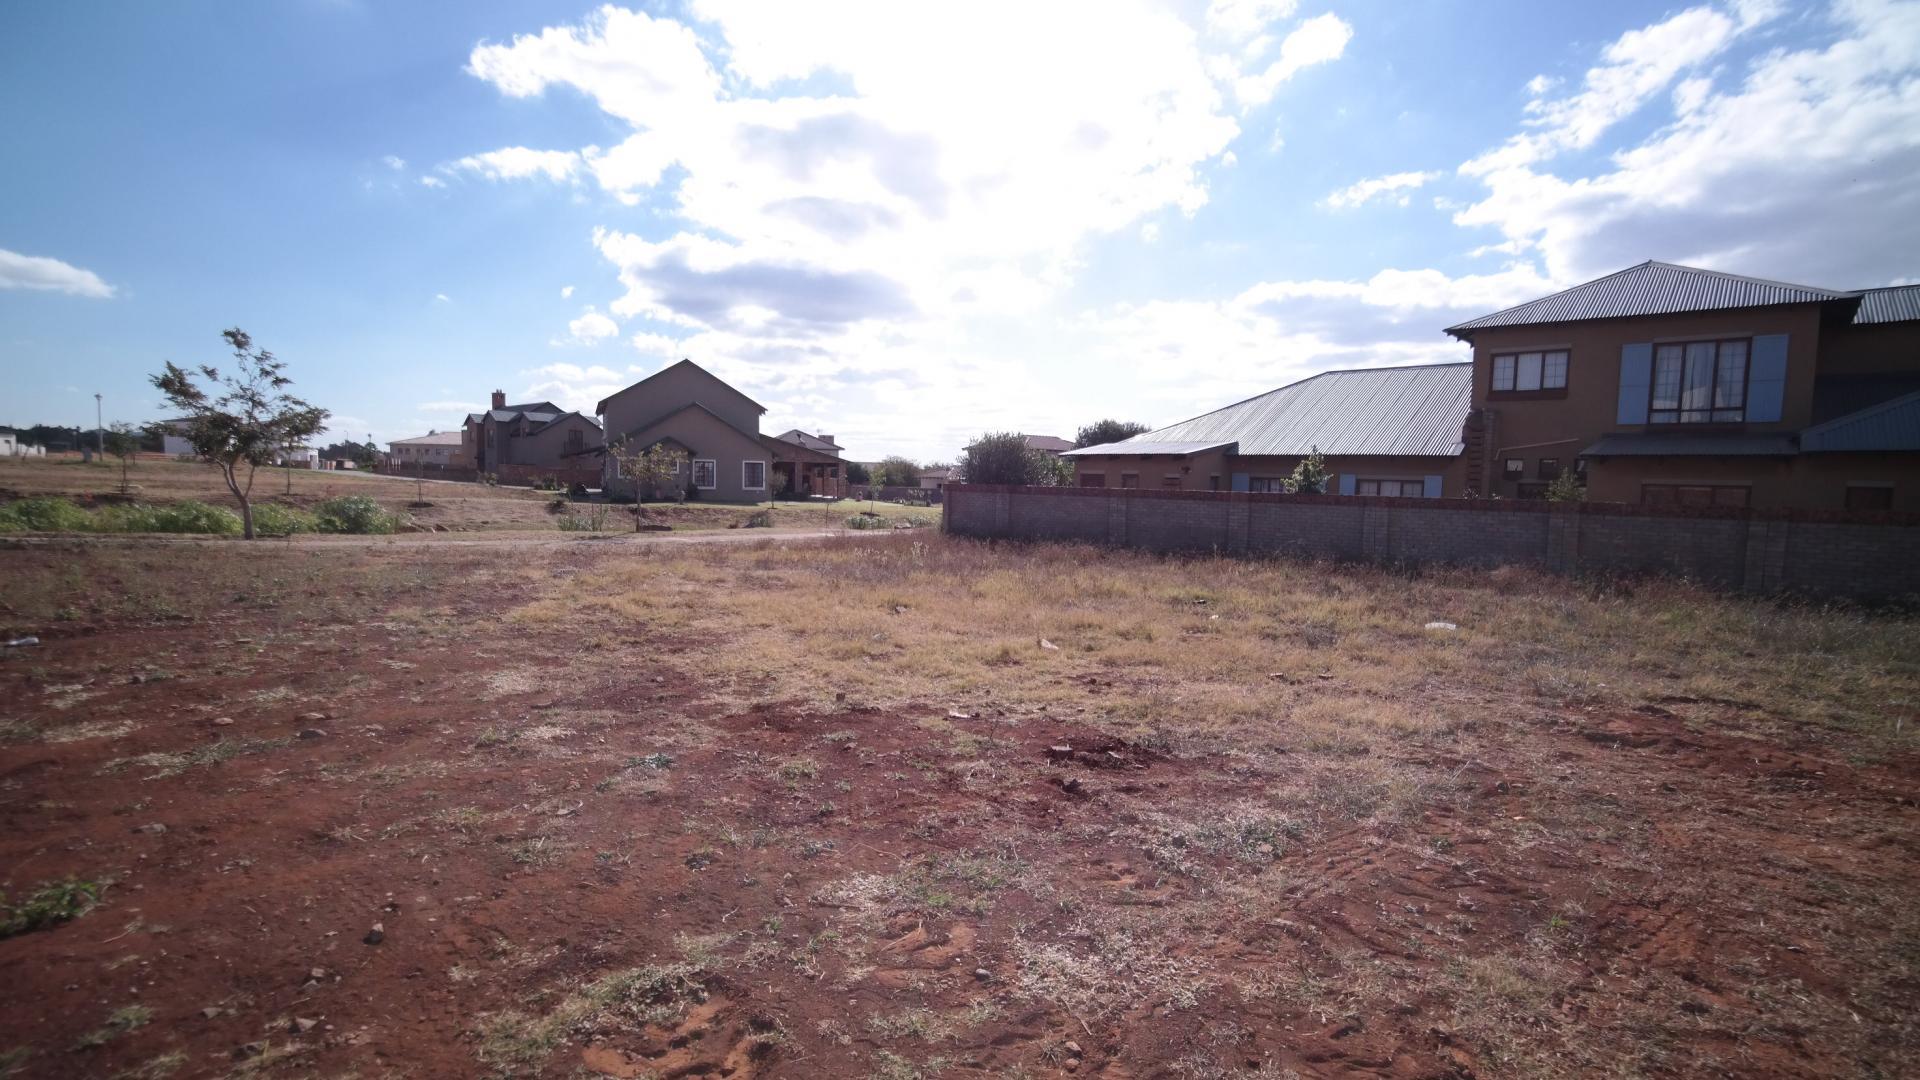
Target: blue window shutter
[(1346, 483), (1767, 378), (1433, 487), (1636, 382), (1239, 481)]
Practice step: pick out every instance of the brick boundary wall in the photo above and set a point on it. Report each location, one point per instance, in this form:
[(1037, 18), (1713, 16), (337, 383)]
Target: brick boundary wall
[(530, 475), (1826, 553)]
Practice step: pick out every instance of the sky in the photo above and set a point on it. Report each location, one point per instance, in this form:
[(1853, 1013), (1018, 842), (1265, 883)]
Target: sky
[(902, 225)]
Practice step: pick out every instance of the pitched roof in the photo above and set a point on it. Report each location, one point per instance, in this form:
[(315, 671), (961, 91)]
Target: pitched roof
[(1053, 444), (1139, 446), (811, 442), (1651, 288), (1895, 303), (1413, 411), (602, 407), (751, 436), (1890, 425), (438, 438)]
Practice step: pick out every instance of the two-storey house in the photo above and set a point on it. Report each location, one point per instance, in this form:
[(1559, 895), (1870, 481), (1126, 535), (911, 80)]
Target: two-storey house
[(1664, 384)]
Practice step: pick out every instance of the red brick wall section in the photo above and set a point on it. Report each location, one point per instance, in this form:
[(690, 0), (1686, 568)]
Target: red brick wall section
[(1824, 553)]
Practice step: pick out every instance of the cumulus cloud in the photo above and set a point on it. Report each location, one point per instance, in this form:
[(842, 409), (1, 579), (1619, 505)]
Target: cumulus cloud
[(519, 163), (394, 162), (1316, 41), (1396, 188), (566, 292), (432, 182), (571, 386), (591, 328), (19, 271)]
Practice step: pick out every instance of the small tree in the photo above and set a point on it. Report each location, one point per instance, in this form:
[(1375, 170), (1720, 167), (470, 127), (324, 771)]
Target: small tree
[(240, 419), (857, 473), (652, 469), (1310, 475), (123, 442), (1566, 488), (1102, 432)]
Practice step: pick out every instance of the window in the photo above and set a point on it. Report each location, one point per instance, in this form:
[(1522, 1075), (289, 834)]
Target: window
[(1694, 495), (1515, 468), (1869, 496), (575, 441), (753, 475), (1528, 372), (1699, 382), (1399, 489), (1213, 482), (706, 475), (1129, 480), (1273, 484), (1549, 468), (1171, 480), (1580, 470), (1093, 479)]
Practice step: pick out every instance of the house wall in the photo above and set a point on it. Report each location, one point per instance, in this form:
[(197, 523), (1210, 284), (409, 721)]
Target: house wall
[(1808, 481), (1864, 350), (646, 402), (707, 438), (548, 446), (1196, 472), (1836, 554)]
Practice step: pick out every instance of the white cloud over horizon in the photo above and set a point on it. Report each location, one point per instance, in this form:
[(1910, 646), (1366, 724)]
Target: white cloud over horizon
[(42, 273)]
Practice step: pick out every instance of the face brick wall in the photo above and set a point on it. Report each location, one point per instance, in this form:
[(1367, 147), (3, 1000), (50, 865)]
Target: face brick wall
[(1824, 553)]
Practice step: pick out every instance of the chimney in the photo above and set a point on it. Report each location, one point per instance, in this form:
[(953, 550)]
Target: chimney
[(499, 399)]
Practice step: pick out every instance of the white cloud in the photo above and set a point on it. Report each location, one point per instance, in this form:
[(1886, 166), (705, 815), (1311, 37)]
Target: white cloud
[(432, 182), (1396, 188), (1150, 232), (573, 387), (442, 298), (1246, 18), (1318, 40), (1540, 84), (519, 163), (566, 292), (590, 328), (19, 271), (394, 162)]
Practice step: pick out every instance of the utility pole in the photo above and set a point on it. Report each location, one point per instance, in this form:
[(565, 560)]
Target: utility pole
[(99, 428)]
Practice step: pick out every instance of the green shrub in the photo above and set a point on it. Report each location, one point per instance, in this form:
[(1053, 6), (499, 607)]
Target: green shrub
[(353, 514), (181, 517), (862, 521), (53, 902), (272, 519), (594, 520), (759, 519), (44, 515)]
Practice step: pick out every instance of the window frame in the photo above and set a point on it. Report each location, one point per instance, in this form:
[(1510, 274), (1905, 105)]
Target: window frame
[(1713, 494), (1172, 482), (1133, 476), (1543, 392), (1513, 468), (744, 486), (713, 473), (1093, 479), (1547, 469), (1676, 414)]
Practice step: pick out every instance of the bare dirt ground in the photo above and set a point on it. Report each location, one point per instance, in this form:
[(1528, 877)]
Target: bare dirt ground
[(935, 808)]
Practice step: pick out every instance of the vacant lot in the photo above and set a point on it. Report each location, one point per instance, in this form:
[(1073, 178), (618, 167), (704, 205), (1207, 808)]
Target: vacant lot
[(922, 807), (449, 507)]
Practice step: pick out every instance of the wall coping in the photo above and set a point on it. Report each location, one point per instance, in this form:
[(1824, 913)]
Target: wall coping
[(1514, 506)]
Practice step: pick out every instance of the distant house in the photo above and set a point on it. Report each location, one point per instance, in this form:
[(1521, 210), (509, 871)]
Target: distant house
[(935, 479), (299, 457), (438, 448), (688, 408), (11, 446), (173, 438), (522, 443), (1049, 444), (1664, 384), (1382, 431)]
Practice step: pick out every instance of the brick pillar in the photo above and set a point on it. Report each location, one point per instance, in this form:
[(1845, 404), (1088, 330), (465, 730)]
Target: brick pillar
[(1239, 522), (1374, 524), (1117, 519), (1766, 569), (1002, 513), (1473, 438), (1563, 538)]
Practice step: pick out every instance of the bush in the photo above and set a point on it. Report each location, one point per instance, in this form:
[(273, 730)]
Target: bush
[(181, 517), (44, 515), (353, 514), (594, 520), (759, 519), (862, 521), (272, 519), (53, 902)]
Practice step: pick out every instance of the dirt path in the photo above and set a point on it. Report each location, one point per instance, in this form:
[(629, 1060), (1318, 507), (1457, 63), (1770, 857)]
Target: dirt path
[(608, 540)]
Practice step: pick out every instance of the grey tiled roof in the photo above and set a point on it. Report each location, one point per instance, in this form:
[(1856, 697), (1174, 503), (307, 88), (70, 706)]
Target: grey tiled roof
[(1651, 288), (1412, 411), (1898, 303)]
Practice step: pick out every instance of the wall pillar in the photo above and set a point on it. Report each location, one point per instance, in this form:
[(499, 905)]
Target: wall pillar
[(1563, 538), (1766, 569), (1375, 523), (1002, 513), (1117, 519), (1239, 523)]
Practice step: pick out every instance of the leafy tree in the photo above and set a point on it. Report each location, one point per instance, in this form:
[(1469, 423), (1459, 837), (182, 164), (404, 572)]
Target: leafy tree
[(363, 455), (1566, 488), (1003, 457), (123, 442), (1310, 475), (240, 420), (653, 469), (897, 471), (1102, 432), (857, 473)]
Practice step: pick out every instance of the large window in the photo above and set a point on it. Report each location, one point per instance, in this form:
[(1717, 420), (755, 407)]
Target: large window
[(1699, 382), (1403, 489), (1529, 371), (1129, 480), (1093, 479), (1514, 469), (706, 476), (1695, 495), (753, 475), (1170, 480)]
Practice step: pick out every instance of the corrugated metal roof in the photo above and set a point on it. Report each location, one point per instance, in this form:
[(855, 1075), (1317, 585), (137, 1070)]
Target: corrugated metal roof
[(1890, 425), (1652, 288), (1415, 411), (439, 438), (1139, 446), (1678, 444), (1897, 303)]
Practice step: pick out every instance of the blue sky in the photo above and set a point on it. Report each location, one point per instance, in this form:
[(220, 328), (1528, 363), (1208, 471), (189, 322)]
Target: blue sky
[(901, 224)]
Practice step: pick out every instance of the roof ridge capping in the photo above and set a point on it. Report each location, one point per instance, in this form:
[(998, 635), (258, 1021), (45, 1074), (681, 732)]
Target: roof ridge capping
[(1652, 288)]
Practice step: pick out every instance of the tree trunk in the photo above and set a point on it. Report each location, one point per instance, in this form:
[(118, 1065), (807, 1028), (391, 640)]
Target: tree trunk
[(246, 517)]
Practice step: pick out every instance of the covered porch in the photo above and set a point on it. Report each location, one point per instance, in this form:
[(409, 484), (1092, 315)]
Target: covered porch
[(800, 473)]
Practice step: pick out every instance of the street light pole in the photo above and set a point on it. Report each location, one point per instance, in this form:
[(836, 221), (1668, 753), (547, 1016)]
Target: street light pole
[(99, 428)]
